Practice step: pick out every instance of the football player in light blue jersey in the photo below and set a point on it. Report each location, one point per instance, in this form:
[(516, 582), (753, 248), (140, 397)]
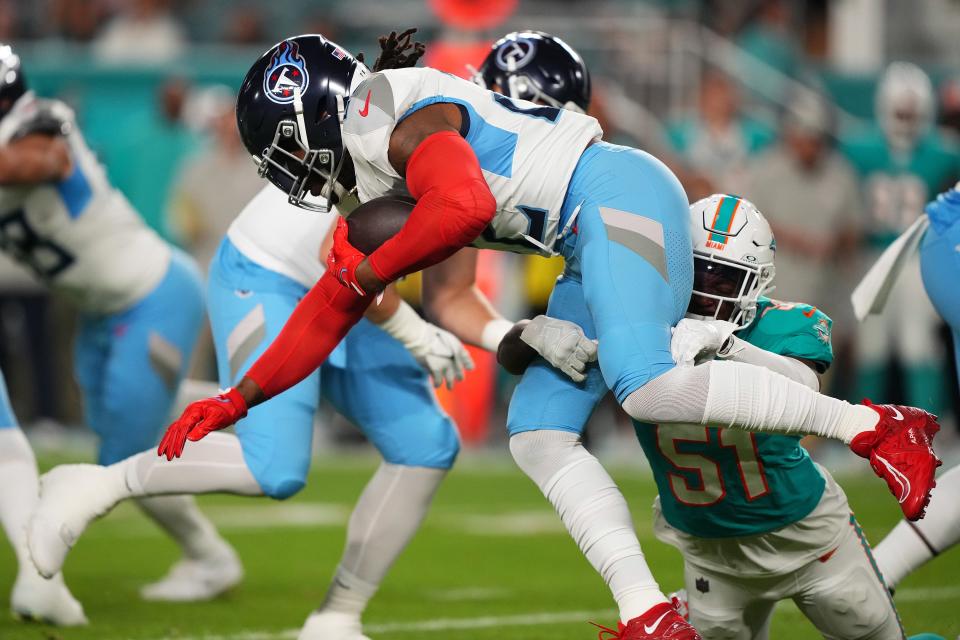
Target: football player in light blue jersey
[(61, 218)]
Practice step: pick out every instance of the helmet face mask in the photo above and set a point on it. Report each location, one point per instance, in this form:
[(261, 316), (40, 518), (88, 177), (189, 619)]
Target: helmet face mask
[(733, 259), (293, 167)]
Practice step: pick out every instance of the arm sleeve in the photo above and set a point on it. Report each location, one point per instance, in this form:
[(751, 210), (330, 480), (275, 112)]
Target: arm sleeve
[(316, 326), (743, 351), (454, 205)]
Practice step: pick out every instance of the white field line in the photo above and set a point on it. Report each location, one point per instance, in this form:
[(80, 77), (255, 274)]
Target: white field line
[(519, 620), (438, 624)]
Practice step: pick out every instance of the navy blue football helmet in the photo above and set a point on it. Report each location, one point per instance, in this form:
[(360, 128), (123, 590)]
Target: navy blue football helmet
[(12, 83), (289, 112), (539, 67)]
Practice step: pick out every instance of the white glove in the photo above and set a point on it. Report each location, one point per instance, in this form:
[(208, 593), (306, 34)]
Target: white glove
[(442, 354), (439, 352), (698, 340), (562, 344)]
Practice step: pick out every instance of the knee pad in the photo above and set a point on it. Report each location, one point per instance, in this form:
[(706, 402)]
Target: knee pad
[(719, 625), (282, 488), (424, 440), (855, 606), (541, 453)]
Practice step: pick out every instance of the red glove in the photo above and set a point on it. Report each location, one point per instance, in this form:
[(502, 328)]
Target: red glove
[(344, 258), (200, 418)]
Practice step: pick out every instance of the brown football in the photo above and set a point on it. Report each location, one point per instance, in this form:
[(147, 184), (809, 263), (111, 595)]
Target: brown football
[(374, 222)]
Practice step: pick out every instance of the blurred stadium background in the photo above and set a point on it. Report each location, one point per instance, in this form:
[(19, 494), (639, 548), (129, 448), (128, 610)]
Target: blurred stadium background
[(772, 99)]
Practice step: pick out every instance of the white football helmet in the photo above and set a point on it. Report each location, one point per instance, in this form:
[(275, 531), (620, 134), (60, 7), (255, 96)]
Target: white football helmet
[(904, 104), (733, 252)]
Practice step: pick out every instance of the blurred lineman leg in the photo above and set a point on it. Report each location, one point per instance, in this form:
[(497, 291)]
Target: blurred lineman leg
[(912, 544), (385, 519), (33, 596), (72, 496)]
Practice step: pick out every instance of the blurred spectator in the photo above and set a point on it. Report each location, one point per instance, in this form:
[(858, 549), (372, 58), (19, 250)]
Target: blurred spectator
[(810, 194), (950, 106), (213, 184), (9, 20), (717, 142), (770, 37), (903, 162), (245, 25), (146, 151), (77, 19), (143, 32)]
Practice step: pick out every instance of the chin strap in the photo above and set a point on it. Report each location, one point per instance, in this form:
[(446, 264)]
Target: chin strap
[(301, 123)]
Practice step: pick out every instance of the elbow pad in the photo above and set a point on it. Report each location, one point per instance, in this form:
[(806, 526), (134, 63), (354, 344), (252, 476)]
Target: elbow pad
[(454, 206)]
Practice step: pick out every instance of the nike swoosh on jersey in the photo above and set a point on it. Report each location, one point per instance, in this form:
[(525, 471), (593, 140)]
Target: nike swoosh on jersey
[(366, 106), (896, 414), (653, 627), (899, 477)]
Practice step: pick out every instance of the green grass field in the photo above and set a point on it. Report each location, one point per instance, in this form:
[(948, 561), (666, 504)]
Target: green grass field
[(491, 558)]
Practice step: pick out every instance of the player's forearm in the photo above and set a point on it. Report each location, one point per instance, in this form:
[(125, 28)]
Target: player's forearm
[(386, 308), (467, 314), (314, 328), (742, 351)]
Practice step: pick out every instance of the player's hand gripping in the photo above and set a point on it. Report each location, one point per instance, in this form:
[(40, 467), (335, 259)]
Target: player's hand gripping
[(441, 354), (199, 419), (699, 340), (344, 259), (562, 344)]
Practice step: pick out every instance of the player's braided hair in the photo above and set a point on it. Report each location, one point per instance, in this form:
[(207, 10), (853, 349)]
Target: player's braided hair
[(398, 51)]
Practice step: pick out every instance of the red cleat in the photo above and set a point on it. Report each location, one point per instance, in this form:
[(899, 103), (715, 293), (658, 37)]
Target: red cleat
[(900, 452), (661, 622)]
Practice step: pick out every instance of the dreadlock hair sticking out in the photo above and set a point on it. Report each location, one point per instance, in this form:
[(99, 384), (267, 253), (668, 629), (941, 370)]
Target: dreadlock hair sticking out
[(399, 51)]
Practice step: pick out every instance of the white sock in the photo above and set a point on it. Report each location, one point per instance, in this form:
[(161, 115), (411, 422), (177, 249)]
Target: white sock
[(183, 521), (19, 490), (744, 396), (385, 519), (212, 465), (911, 544), (594, 512)]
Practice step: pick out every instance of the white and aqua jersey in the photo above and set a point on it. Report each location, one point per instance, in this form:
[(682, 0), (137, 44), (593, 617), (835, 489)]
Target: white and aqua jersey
[(721, 483), (79, 235), (282, 237), (527, 152)]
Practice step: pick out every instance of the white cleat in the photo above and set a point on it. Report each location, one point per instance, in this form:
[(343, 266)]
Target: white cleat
[(332, 625), (71, 497), (35, 598), (192, 580)]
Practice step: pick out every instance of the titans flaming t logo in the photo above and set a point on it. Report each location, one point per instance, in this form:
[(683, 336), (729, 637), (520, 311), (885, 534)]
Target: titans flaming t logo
[(287, 71)]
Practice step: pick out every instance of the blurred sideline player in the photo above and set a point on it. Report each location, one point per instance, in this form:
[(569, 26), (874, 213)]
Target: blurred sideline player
[(911, 544), (60, 217), (902, 164), (757, 521), (500, 173)]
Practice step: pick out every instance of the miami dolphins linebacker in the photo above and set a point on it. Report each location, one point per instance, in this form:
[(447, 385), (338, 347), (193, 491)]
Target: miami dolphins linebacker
[(755, 519)]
